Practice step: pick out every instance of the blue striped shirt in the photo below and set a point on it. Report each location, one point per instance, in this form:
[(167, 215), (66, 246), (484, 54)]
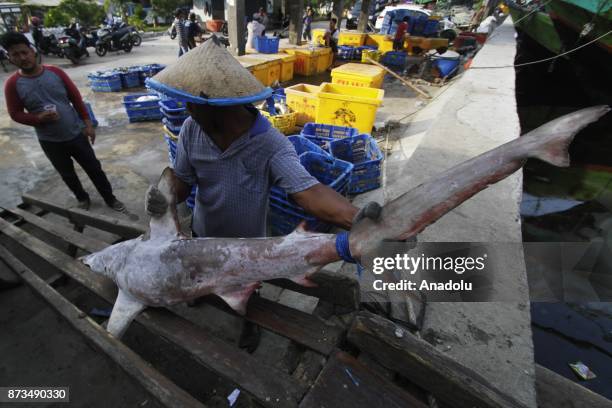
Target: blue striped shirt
[(234, 185)]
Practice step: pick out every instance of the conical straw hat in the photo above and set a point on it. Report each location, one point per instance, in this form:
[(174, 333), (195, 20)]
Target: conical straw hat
[(209, 74)]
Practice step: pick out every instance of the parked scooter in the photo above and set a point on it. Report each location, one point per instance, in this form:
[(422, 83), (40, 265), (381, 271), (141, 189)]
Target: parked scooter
[(3, 59), (45, 44), (109, 40), (136, 38), (73, 44)]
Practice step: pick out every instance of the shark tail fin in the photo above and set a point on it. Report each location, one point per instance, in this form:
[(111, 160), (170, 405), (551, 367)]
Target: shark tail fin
[(553, 139), (125, 310)]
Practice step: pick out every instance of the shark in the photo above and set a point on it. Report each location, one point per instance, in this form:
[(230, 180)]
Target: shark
[(163, 267)]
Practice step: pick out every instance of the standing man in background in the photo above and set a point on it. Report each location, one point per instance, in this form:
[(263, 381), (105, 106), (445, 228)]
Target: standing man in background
[(181, 31), (57, 112), (308, 24)]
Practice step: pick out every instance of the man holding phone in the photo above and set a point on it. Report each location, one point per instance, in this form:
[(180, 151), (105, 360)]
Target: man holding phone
[(56, 110)]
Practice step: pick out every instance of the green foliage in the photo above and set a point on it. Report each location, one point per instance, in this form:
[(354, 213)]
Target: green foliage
[(56, 18), (137, 19), (165, 8), (86, 12)]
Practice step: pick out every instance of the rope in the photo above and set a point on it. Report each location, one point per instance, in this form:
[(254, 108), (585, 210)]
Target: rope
[(547, 59)]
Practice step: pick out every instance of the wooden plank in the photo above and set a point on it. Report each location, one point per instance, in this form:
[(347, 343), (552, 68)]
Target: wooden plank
[(158, 385), (303, 328), (345, 382), (268, 385), (66, 234), (333, 287), (555, 391), (125, 229), (424, 365)]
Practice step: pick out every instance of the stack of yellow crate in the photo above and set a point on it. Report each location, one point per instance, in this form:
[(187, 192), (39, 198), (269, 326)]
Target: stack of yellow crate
[(306, 61), (258, 68)]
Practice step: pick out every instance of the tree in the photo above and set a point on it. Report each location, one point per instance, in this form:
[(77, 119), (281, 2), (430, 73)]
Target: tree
[(165, 8), (86, 12)]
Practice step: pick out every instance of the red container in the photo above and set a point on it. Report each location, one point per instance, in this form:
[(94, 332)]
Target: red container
[(214, 25), (480, 37)]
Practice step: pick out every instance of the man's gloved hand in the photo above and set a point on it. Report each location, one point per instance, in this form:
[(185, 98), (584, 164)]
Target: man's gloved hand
[(371, 210), (155, 203)]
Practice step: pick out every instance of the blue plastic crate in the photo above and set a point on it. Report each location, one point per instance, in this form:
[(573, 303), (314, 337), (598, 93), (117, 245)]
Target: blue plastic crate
[(172, 126), (147, 71), (326, 169), (267, 45), (91, 114), (104, 81), (346, 52), (283, 221), (130, 78), (171, 149), (323, 134), (431, 28), (141, 110), (172, 107), (395, 58), (366, 157), (303, 145)]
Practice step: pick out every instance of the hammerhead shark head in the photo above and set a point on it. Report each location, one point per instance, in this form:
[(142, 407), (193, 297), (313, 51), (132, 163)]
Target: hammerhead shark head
[(162, 267)]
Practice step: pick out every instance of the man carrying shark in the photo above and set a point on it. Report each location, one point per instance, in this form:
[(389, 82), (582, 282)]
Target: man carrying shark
[(232, 153)]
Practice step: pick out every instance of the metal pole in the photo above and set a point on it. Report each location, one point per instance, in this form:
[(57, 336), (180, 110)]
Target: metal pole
[(236, 26)]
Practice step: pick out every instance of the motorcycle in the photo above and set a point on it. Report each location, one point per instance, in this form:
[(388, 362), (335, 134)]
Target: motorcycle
[(136, 38), (73, 45), (47, 44), (109, 40), (3, 58)]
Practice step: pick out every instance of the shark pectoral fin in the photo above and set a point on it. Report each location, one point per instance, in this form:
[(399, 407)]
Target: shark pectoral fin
[(304, 281), (125, 310), (237, 298)]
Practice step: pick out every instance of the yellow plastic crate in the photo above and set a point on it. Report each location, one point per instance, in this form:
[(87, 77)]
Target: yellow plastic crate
[(273, 64), (383, 41), (259, 69), (370, 54), (352, 38), (325, 59), (168, 133), (305, 61), (362, 75), (318, 36), (303, 99), (349, 106), (284, 123), (288, 61)]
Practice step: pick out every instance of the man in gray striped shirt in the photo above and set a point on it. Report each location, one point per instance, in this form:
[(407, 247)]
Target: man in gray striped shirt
[(181, 31), (234, 156)]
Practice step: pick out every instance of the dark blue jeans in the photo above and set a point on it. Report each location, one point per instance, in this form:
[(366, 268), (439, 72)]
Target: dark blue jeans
[(61, 154)]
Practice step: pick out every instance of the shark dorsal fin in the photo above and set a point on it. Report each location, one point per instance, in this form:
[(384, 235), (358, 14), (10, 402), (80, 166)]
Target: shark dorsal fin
[(168, 224)]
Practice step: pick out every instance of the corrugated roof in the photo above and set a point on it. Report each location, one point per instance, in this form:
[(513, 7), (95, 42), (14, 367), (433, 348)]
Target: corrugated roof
[(42, 3)]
